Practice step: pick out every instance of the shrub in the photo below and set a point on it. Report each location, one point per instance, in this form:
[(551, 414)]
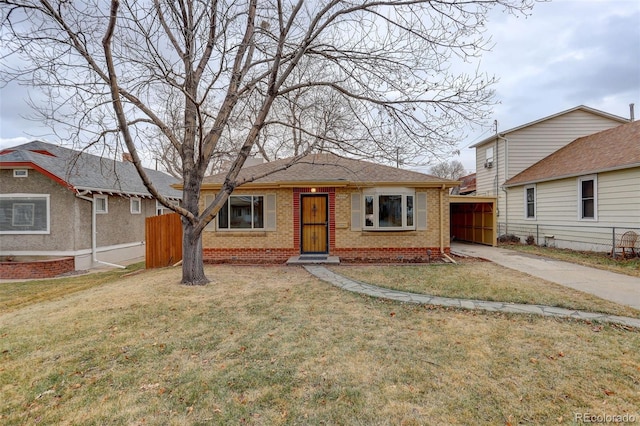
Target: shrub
[(508, 238)]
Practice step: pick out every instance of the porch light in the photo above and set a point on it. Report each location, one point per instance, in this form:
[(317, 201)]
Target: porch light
[(313, 190)]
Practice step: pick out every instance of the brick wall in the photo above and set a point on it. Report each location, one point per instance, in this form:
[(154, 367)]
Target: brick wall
[(36, 269), (383, 255), (277, 246), (247, 255)]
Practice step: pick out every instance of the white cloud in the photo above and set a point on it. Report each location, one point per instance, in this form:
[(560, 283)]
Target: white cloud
[(9, 142)]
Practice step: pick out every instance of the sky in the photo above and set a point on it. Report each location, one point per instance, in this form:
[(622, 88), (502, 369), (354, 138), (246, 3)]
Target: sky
[(566, 53)]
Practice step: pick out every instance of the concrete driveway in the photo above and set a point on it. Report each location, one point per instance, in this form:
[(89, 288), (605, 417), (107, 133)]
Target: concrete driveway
[(619, 288)]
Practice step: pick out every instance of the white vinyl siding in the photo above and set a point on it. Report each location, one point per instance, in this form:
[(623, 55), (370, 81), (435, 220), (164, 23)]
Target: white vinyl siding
[(526, 146), (485, 177), (619, 197), (531, 144), (557, 210)]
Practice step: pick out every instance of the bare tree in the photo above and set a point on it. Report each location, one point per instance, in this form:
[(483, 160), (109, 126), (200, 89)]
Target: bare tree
[(125, 71), (453, 170)]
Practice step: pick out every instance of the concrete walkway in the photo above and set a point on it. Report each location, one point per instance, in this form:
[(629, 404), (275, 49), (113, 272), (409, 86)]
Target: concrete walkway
[(619, 288), (348, 284)]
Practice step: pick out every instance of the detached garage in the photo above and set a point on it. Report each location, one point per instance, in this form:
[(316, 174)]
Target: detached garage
[(473, 219)]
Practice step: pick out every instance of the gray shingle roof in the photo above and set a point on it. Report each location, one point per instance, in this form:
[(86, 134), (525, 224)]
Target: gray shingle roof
[(612, 149), (83, 171), (330, 169)]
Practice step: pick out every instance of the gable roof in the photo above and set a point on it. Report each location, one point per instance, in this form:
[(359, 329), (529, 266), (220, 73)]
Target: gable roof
[(612, 149), (328, 170), (584, 108), (86, 172)]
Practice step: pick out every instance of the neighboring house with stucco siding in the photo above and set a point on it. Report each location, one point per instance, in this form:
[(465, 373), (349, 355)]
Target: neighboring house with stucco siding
[(55, 201), (324, 206)]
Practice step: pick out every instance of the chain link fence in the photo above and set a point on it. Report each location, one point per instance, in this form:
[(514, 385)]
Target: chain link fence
[(576, 237)]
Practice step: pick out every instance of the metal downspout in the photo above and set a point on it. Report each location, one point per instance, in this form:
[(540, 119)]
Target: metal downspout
[(506, 165), (94, 231), (442, 212), (442, 219)]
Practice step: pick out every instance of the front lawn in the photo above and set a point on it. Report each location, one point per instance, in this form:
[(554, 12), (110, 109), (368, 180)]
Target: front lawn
[(628, 266), (481, 281), (273, 345)]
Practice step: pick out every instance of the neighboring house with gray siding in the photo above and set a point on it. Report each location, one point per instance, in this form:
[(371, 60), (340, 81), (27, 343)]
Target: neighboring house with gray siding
[(582, 194), (502, 156), (47, 199)]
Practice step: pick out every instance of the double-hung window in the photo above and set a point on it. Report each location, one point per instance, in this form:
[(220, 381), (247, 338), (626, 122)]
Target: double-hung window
[(135, 205), (530, 202), (102, 204), (389, 209), (242, 212), (588, 197), (24, 214)]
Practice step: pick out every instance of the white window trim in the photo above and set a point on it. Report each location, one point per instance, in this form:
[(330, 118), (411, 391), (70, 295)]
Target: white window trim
[(488, 153), (161, 209), (595, 198), (20, 173), (535, 202), (106, 203), (376, 193), (252, 229), (27, 232), (132, 204)]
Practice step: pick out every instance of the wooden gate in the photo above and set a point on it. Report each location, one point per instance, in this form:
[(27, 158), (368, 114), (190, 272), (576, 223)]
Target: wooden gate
[(163, 240)]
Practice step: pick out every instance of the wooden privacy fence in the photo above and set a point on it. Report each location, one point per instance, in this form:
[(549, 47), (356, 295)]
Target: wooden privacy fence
[(164, 240)]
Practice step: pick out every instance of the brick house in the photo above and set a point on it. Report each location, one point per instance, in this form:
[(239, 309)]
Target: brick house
[(326, 205)]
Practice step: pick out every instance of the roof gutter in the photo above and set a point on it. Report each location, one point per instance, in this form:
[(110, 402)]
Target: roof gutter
[(94, 233), (88, 190), (573, 174)]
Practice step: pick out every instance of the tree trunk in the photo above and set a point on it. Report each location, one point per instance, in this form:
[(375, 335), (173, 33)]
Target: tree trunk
[(192, 262)]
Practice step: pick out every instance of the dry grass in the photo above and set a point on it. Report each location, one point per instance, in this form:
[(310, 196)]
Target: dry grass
[(17, 295), (274, 345), (481, 281), (628, 266)]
